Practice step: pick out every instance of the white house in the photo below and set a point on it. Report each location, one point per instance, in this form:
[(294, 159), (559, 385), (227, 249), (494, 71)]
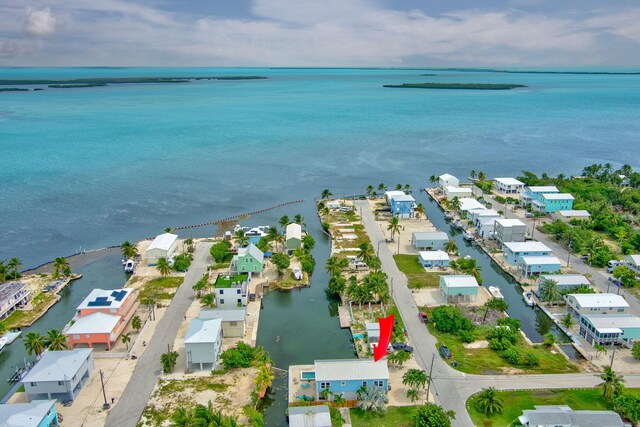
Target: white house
[(433, 258), (163, 246), (564, 281), (633, 262), (233, 320), (462, 287), (13, 295), (486, 228), (508, 185), (459, 192), (467, 204), (568, 215), (202, 343), (293, 237), (509, 230), (564, 416), (482, 214), (388, 195), (447, 180), (589, 304), (309, 416)]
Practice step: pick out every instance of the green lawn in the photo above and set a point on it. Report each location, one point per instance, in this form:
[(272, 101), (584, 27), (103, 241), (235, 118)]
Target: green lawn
[(396, 416), (416, 275), (396, 315), (22, 318), (516, 401), (160, 288)]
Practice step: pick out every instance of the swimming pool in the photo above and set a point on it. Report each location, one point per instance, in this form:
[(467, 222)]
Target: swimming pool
[(357, 336), (308, 375)]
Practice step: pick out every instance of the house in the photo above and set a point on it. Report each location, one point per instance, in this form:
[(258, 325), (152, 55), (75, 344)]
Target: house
[(447, 180), (163, 246), (468, 204), (202, 343), (250, 259), (293, 237), (529, 265), (568, 215), (13, 295), (433, 258), (486, 228), (462, 287), (508, 185), (553, 202), (633, 262), (309, 416), (509, 230), (481, 215), (564, 281), (333, 204), (515, 250), (101, 317), (59, 375), (233, 320), (607, 329), (403, 206), (232, 290), (37, 413), (346, 377), (533, 193), (590, 304), (459, 192), (373, 332), (388, 195), (564, 416), (434, 240)]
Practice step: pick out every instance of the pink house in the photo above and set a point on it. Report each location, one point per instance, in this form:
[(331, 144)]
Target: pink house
[(101, 317)]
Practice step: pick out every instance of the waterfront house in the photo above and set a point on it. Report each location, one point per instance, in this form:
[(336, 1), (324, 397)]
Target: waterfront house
[(37, 413), (163, 246), (373, 332), (333, 204), (447, 180), (534, 192), (605, 329), (568, 215), (553, 202), (13, 295), (429, 240), (633, 262), (481, 215), (249, 259), (508, 186), (460, 287), (101, 317), (468, 204), (433, 258), (459, 192), (293, 237), (590, 304), (566, 282), (233, 320), (529, 265), (232, 290), (309, 416), (346, 377), (486, 227), (564, 416), (513, 251), (509, 230), (403, 206), (59, 375), (202, 343), (388, 195)]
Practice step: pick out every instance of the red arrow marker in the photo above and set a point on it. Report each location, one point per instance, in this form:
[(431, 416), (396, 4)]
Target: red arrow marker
[(386, 327)]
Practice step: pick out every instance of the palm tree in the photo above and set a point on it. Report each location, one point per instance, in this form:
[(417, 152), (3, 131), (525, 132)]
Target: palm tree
[(60, 267), (455, 204), (34, 344), (168, 229), (335, 265), (55, 340), (163, 266), (369, 190), (394, 226), (433, 179), (299, 219), (549, 291), (366, 252), (549, 340), (419, 210), (613, 383), (284, 221), (481, 176), (372, 398), (280, 239), (450, 247), (326, 193), (264, 378), (136, 323), (489, 402), (382, 187), (338, 400), (567, 320), (398, 357), (180, 418), (413, 395), (3, 271), (128, 249), (591, 246), (208, 301), (272, 235), (14, 265), (407, 188), (189, 243), (126, 339), (472, 174), (455, 266), (415, 378), (336, 285), (599, 348), (240, 238)]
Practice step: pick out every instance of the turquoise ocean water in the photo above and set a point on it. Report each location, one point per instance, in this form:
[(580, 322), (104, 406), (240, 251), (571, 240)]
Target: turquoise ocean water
[(93, 167)]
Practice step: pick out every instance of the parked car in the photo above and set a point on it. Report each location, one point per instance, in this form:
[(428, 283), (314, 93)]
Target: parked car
[(529, 215), (445, 352), (423, 317), (398, 345), (408, 349)]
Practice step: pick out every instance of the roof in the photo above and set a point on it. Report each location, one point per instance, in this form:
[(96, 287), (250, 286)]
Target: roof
[(564, 415), (8, 290), (94, 323), (434, 255), (544, 189), (607, 322), (372, 326), (105, 298), (392, 193), (458, 189), (231, 280), (25, 414), (526, 246), (253, 251), (203, 331), (511, 222), (429, 235), (163, 241), (58, 365), (540, 260), (226, 314), (508, 181), (309, 416), (566, 279), (557, 196), (599, 300), (574, 213), (403, 198), (294, 231), (484, 212), (460, 281), (633, 259), (350, 369), (467, 203), (446, 176)]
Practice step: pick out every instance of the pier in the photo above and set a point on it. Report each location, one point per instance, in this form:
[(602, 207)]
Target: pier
[(345, 317)]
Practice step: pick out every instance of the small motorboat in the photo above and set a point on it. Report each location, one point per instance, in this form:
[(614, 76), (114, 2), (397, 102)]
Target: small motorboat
[(3, 343), (129, 266), (467, 236), (297, 273), (528, 298), (495, 292), (448, 216)]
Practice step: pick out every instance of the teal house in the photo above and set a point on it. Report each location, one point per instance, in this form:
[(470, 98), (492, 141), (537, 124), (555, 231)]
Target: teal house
[(553, 202), (534, 193), (346, 377), (606, 329), (531, 265), (250, 259), (514, 251), (37, 413), (459, 287)]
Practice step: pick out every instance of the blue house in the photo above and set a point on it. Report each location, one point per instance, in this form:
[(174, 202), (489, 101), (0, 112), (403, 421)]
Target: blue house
[(346, 377), (529, 265), (403, 206), (434, 240), (553, 202), (534, 193), (433, 258), (513, 251), (37, 413)]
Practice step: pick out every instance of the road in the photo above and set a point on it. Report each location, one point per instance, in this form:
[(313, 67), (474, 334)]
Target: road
[(129, 408)]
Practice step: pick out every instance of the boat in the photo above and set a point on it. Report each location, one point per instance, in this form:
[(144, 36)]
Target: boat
[(297, 273), (528, 298), (495, 292), (467, 236), (129, 266), (448, 216), (3, 343), (458, 225), (11, 336)]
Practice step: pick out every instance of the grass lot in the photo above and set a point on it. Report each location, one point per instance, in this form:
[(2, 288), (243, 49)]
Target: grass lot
[(396, 416), (289, 281), (160, 288), (396, 315), (516, 401), (416, 275), (22, 318)]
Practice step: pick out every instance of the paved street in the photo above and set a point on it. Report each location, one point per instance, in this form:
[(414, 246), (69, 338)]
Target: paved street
[(132, 402)]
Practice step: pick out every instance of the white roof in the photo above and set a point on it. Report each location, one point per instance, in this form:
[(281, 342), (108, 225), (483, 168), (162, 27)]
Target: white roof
[(557, 196), (578, 213), (25, 414), (294, 231), (434, 255), (309, 416), (429, 235), (602, 322), (94, 323), (544, 189), (392, 193), (484, 212), (372, 326), (633, 259), (460, 281), (58, 365), (540, 260), (566, 279), (203, 331), (446, 176), (105, 299), (455, 189), (163, 241), (351, 369), (599, 300), (226, 314), (511, 222), (404, 198), (508, 181), (526, 246), (467, 203), (253, 251)]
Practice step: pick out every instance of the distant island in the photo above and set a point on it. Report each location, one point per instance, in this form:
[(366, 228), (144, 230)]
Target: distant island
[(490, 70), (14, 89), (100, 81), (473, 86)]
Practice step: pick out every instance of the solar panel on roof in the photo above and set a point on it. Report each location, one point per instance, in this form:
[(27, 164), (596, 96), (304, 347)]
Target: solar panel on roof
[(119, 295), (102, 299), (99, 303)]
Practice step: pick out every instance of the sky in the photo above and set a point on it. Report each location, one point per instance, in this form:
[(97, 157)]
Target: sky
[(308, 33)]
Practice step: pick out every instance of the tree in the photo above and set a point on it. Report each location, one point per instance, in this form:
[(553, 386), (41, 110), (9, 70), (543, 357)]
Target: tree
[(264, 378), (168, 361), (240, 356), (55, 340), (473, 174), (635, 351), (394, 226), (419, 210), (432, 415), (334, 265), (336, 285), (220, 251), (382, 187), (497, 304), (613, 383), (488, 401), (628, 405), (208, 301), (599, 348), (375, 264), (433, 179), (413, 395), (365, 252), (34, 343), (182, 262), (407, 188), (13, 266), (549, 340), (284, 221), (481, 176), (372, 399), (549, 291), (129, 250), (240, 238), (398, 357), (567, 320), (3, 271), (201, 285), (167, 229), (60, 267), (369, 190), (450, 247), (415, 378), (338, 400), (455, 203), (126, 339), (136, 323), (281, 261), (189, 243), (163, 266), (308, 242), (326, 193)]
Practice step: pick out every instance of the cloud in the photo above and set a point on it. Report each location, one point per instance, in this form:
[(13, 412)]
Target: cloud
[(39, 22)]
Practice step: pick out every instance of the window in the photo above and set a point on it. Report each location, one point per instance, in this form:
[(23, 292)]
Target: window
[(378, 383), (76, 336), (238, 291), (60, 382), (239, 301), (221, 291), (343, 383), (365, 383), (222, 301), (33, 384), (324, 385)]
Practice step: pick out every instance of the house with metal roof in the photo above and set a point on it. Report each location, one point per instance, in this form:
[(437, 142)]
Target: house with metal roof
[(163, 246), (509, 230), (482, 214), (431, 240), (513, 251), (590, 304), (249, 259), (568, 215), (233, 320), (446, 180), (531, 265), (553, 202), (532, 193), (403, 206), (633, 262), (37, 413), (293, 237), (564, 282), (451, 191), (607, 329), (468, 204), (433, 258), (564, 416), (309, 416), (508, 186), (388, 195), (346, 377), (202, 343), (59, 375), (13, 295), (460, 287)]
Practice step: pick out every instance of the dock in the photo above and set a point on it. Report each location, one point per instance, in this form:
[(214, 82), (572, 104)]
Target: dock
[(345, 317)]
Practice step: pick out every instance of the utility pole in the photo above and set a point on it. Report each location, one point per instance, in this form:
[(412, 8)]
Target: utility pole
[(533, 230), (612, 356), (104, 394), (433, 357), (398, 243), (568, 252)]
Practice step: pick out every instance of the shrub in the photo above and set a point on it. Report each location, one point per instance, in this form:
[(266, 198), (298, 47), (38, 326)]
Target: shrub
[(240, 357), (504, 333), (499, 344), (448, 318), (512, 355), (513, 324), (182, 262), (220, 251), (530, 359), (635, 351), (467, 336)]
